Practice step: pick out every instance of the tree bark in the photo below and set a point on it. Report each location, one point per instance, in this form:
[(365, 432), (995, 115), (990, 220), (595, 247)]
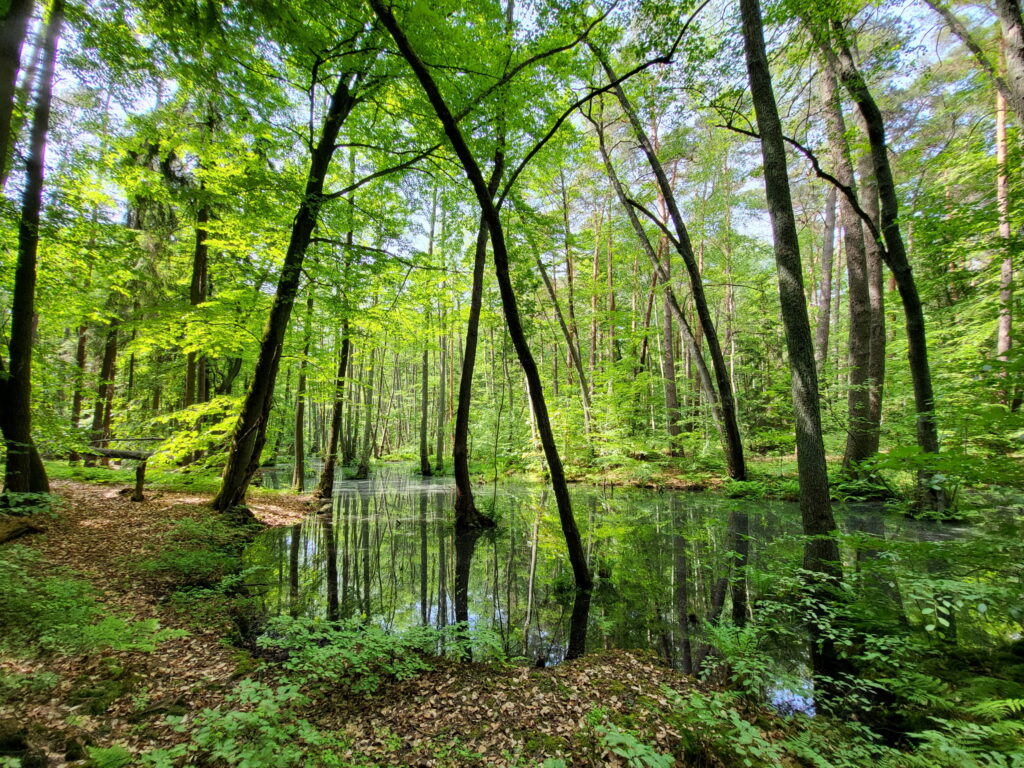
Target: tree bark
[(821, 550), (1004, 337), (299, 463), (24, 472), (13, 29), (825, 286), (250, 432), (858, 431), (325, 488), (577, 555), (195, 366), (425, 469), (466, 513), (895, 255)]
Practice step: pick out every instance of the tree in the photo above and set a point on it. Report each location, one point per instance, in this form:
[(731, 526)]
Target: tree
[(577, 556), (821, 550), (24, 472)]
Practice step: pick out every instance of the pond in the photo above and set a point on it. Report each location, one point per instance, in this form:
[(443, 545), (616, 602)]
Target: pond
[(662, 562)]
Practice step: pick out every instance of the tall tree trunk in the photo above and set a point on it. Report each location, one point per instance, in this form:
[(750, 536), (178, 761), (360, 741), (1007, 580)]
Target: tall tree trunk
[(466, 513), (424, 407), (78, 396), (1004, 338), (867, 193), (669, 369), (858, 432), (577, 555), (825, 290), (250, 432), (325, 488), (821, 550), (299, 463), (895, 254), (1012, 26), (13, 28), (105, 388), (733, 442), (24, 472), (442, 410), (570, 341), (195, 366), (363, 468)]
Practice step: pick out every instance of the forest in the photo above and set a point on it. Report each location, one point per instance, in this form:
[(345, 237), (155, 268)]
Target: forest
[(541, 384)]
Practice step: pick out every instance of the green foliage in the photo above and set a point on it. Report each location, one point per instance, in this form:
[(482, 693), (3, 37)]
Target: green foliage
[(197, 552), (355, 655), (627, 746), (713, 721), (109, 757), (58, 612)]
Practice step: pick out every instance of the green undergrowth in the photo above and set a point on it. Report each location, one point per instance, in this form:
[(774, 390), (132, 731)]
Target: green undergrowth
[(44, 609)]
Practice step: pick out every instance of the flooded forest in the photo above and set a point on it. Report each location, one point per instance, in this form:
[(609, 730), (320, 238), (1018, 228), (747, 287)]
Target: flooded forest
[(534, 384)]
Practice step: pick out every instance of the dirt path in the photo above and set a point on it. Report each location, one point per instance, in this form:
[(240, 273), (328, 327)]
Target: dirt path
[(98, 535)]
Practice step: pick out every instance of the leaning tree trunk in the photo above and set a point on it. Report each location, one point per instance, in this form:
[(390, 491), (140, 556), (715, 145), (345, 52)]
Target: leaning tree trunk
[(466, 513), (577, 554), (662, 274), (895, 254), (821, 550), (250, 432), (1012, 27), (733, 442), (24, 472)]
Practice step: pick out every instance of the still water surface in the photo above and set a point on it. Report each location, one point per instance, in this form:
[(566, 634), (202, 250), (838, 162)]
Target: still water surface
[(387, 551)]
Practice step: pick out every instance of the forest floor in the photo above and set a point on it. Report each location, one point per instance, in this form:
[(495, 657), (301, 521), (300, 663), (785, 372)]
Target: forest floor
[(453, 714)]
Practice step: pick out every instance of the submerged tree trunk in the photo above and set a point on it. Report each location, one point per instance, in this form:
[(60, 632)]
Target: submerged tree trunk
[(24, 472), (821, 550), (577, 555), (250, 432)]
